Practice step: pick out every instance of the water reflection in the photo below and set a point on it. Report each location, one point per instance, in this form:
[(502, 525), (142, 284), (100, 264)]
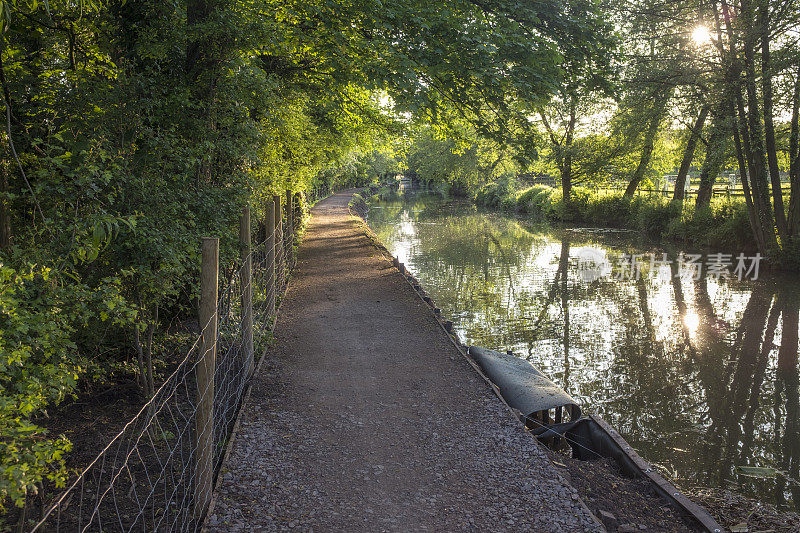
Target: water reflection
[(701, 376)]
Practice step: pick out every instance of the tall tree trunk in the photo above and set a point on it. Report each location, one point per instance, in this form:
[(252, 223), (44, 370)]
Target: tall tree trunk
[(744, 178), (753, 179), (566, 164), (724, 124), (756, 151), (566, 178), (688, 155), (769, 126), (715, 156), (794, 162), (649, 144), (731, 102), (5, 204)]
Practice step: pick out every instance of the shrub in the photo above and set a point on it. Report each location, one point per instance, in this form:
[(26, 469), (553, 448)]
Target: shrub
[(509, 201), (724, 224), (498, 193), (541, 201), (578, 208), (789, 257), (526, 196), (488, 195), (40, 365), (733, 229), (552, 205), (547, 203), (653, 215), (610, 209)]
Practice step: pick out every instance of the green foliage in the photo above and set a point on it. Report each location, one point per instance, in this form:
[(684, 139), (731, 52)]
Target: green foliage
[(724, 224), (129, 152), (653, 214), (532, 199), (40, 363), (613, 209), (138, 127), (509, 201), (572, 211), (489, 195), (459, 159), (498, 193), (360, 167)]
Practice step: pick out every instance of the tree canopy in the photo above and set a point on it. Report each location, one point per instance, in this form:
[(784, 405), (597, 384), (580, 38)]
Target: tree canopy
[(133, 127)]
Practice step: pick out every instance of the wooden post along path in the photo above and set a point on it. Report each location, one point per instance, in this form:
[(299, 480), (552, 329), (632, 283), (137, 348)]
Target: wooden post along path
[(247, 289), (270, 259), (204, 416), (279, 260), (289, 228)]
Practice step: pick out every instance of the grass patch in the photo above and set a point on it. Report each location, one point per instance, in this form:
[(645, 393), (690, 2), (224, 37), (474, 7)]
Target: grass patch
[(723, 225)]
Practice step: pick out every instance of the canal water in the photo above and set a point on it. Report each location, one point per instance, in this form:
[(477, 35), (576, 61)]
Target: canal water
[(698, 373)]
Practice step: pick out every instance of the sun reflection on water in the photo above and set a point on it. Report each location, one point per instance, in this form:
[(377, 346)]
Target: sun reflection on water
[(692, 321)]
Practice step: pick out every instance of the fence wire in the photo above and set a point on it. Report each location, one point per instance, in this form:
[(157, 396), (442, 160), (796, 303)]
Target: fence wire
[(144, 479)]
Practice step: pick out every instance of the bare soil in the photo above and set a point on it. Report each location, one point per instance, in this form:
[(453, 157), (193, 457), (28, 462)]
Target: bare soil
[(737, 513), (90, 422), (625, 503)]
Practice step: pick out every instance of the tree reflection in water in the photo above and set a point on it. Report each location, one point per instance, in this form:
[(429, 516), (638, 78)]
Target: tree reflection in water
[(701, 376)]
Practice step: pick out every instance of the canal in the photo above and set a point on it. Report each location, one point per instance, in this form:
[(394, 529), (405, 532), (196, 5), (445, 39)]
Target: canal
[(699, 373)]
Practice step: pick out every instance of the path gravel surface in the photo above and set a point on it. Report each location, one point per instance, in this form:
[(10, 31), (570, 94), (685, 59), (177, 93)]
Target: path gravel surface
[(364, 416)]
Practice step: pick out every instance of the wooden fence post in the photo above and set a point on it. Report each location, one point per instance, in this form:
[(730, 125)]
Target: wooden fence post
[(204, 416), (298, 210), (280, 260), (289, 227), (247, 289), (271, 285)]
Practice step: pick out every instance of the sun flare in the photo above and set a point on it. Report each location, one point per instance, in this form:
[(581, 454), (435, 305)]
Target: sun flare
[(701, 35), (691, 321)]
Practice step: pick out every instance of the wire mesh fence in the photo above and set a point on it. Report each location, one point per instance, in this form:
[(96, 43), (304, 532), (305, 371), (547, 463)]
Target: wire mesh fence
[(146, 479)]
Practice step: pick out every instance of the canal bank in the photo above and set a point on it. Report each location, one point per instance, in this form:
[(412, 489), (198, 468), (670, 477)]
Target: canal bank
[(365, 417)]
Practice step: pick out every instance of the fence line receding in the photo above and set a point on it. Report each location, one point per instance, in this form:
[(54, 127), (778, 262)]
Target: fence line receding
[(153, 475)]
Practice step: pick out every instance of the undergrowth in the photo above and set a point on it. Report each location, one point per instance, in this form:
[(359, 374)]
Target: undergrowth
[(723, 225)]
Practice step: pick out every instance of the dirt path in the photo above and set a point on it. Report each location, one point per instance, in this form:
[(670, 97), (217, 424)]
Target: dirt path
[(365, 417)]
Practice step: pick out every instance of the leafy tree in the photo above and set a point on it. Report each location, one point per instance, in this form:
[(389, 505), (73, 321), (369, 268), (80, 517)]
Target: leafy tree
[(458, 158), (134, 127)]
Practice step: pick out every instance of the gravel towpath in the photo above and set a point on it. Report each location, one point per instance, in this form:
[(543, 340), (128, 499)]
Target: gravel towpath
[(364, 417)]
